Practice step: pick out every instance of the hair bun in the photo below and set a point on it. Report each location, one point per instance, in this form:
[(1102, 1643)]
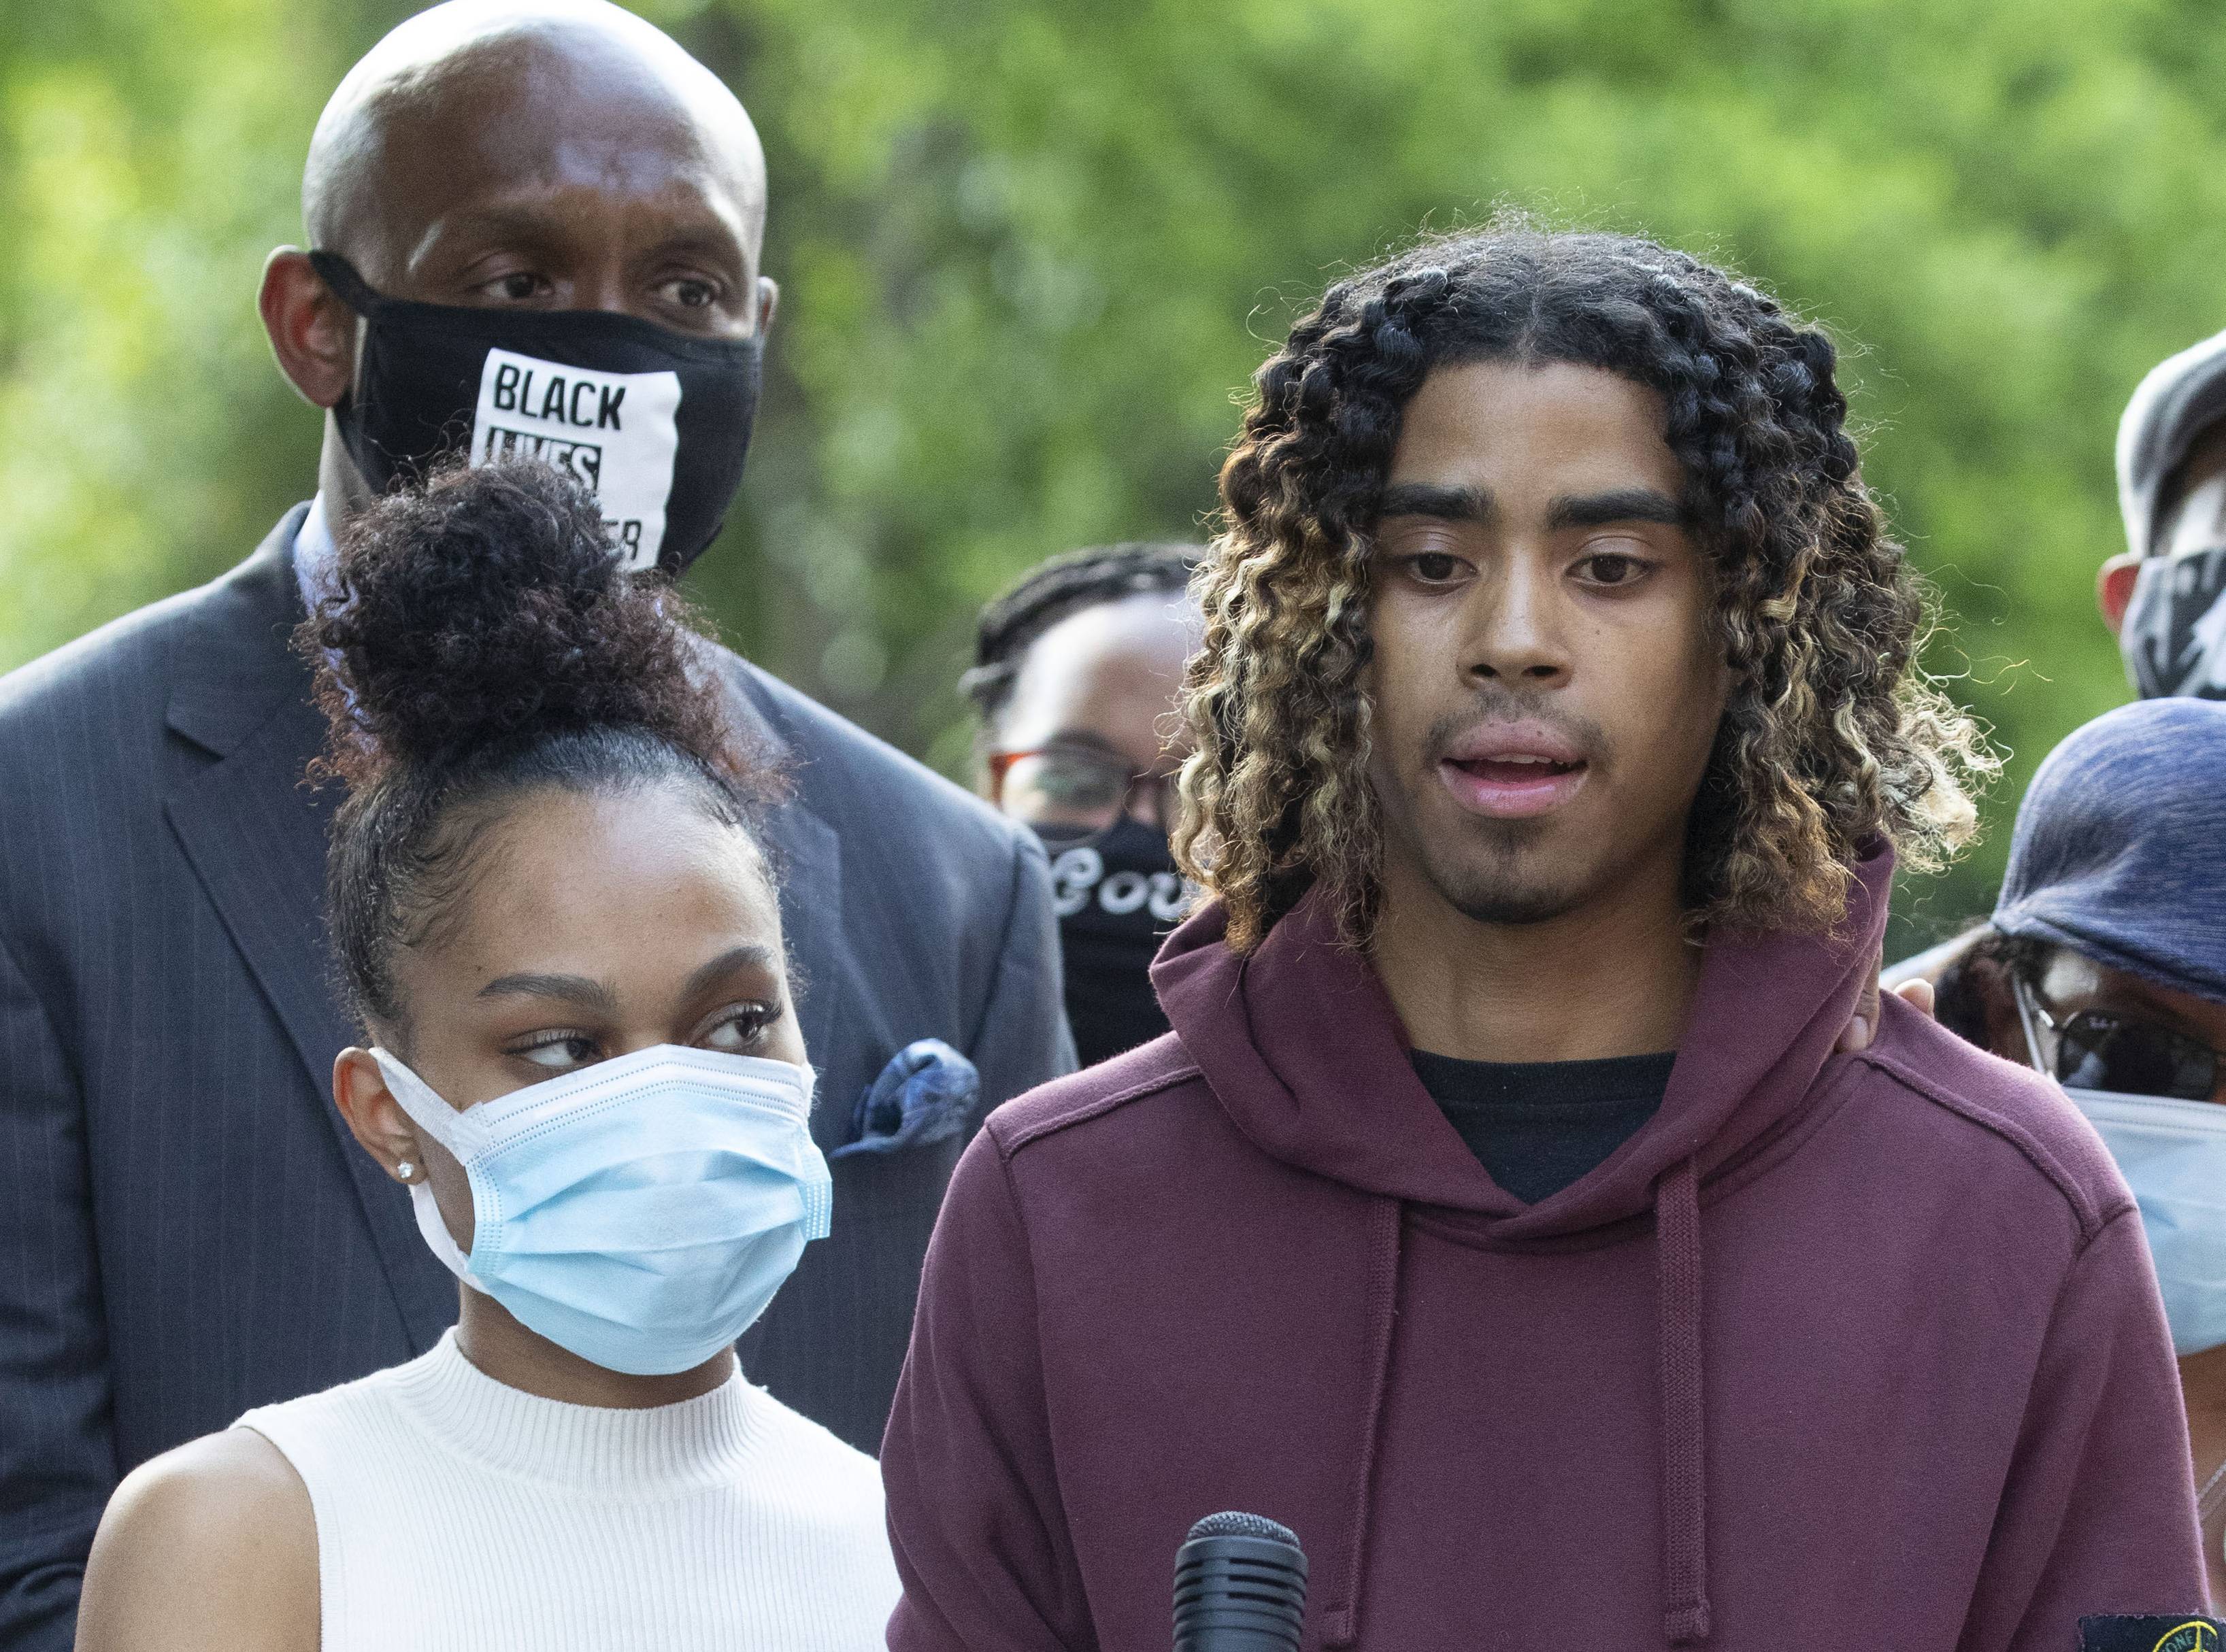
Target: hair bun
[(489, 607)]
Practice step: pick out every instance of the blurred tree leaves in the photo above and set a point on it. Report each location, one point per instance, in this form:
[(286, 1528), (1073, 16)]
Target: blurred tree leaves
[(149, 157), (1030, 252)]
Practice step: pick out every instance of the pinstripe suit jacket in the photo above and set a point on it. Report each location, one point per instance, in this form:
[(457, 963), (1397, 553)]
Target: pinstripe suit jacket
[(185, 1229)]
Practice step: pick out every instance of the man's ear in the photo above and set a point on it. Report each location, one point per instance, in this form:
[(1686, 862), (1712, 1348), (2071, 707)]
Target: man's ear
[(2114, 589), (312, 333), (768, 303), (374, 1117)]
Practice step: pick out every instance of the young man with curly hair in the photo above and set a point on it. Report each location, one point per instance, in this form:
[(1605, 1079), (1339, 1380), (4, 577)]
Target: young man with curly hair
[(1500, 1213)]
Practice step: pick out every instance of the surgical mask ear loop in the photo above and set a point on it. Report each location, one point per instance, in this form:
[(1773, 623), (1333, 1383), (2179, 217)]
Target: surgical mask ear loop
[(425, 1109)]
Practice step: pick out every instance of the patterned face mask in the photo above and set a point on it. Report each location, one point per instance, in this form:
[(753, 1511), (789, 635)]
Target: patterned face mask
[(654, 423), (2174, 637), (1118, 894)]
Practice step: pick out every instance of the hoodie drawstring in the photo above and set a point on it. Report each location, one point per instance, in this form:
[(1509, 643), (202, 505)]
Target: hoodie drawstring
[(1684, 1457), (1684, 1411), (1341, 1625)]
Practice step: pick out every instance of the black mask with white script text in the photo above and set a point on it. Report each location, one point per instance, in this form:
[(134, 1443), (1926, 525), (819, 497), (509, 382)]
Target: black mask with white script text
[(654, 422), (1118, 895), (2174, 634)]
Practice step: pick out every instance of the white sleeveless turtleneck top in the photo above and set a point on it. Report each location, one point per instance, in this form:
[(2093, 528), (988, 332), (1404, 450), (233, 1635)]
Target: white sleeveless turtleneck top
[(454, 1512)]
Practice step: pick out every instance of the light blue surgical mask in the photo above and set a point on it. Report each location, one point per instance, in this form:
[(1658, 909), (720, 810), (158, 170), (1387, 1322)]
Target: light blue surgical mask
[(641, 1212), (2172, 1154)]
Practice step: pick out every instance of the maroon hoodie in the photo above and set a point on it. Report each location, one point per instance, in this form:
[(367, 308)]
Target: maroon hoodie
[(1847, 1352)]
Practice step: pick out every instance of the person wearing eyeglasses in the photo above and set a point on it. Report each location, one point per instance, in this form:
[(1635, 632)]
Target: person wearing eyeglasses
[(1076, 671), (2104, 965)]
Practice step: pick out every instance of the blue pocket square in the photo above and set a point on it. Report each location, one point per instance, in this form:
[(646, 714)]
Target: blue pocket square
[(927, 1094)]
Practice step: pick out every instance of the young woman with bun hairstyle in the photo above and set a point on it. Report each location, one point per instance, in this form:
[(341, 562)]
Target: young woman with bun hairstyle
[(561, 935)]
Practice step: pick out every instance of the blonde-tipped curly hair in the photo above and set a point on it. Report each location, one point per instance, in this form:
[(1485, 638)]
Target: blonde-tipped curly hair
[(1832, 739)]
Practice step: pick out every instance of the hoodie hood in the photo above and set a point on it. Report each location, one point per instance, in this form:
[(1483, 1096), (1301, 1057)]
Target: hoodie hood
[(1302, 1048), (1291, 1038)]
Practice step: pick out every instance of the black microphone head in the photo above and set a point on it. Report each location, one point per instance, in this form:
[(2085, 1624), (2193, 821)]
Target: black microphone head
[(1240, 1586), (1235, 1523)]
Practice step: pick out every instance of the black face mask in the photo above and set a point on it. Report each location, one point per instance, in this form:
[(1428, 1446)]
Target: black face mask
[(655, 423), (2174, 637), (1118, 895)]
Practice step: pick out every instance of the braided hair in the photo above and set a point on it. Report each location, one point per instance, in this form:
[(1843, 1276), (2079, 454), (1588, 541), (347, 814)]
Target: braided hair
[(484, 642), (1832, 737), (1051, 591)]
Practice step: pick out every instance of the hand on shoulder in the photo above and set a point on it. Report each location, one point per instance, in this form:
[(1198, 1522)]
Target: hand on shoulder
[(212, 1546)]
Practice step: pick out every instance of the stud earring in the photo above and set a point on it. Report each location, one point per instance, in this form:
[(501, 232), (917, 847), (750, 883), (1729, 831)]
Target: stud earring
[(405, 1169)]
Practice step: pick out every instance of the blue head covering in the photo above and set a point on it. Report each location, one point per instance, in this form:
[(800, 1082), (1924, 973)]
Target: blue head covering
[(2119, 852)]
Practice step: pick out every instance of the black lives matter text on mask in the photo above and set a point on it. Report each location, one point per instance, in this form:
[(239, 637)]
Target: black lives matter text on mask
[(595, 393), (579, 403)]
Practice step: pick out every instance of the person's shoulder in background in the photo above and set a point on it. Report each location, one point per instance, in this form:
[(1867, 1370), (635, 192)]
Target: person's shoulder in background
[(945, 907), (67, 708), (114, 674), (860, 783)]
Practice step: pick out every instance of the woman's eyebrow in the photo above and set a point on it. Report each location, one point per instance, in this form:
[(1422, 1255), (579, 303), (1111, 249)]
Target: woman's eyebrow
[(570, 990), (750, 955)]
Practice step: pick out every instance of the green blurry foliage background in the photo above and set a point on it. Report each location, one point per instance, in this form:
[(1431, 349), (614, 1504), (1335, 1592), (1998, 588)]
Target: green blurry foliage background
[(1031, 253)]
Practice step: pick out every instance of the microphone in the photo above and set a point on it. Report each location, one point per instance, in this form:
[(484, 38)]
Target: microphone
[(1240, 1586)]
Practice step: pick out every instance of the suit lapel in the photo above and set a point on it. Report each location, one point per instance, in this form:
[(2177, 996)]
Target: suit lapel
[(807, 856), (255, 835), (810, 922)]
